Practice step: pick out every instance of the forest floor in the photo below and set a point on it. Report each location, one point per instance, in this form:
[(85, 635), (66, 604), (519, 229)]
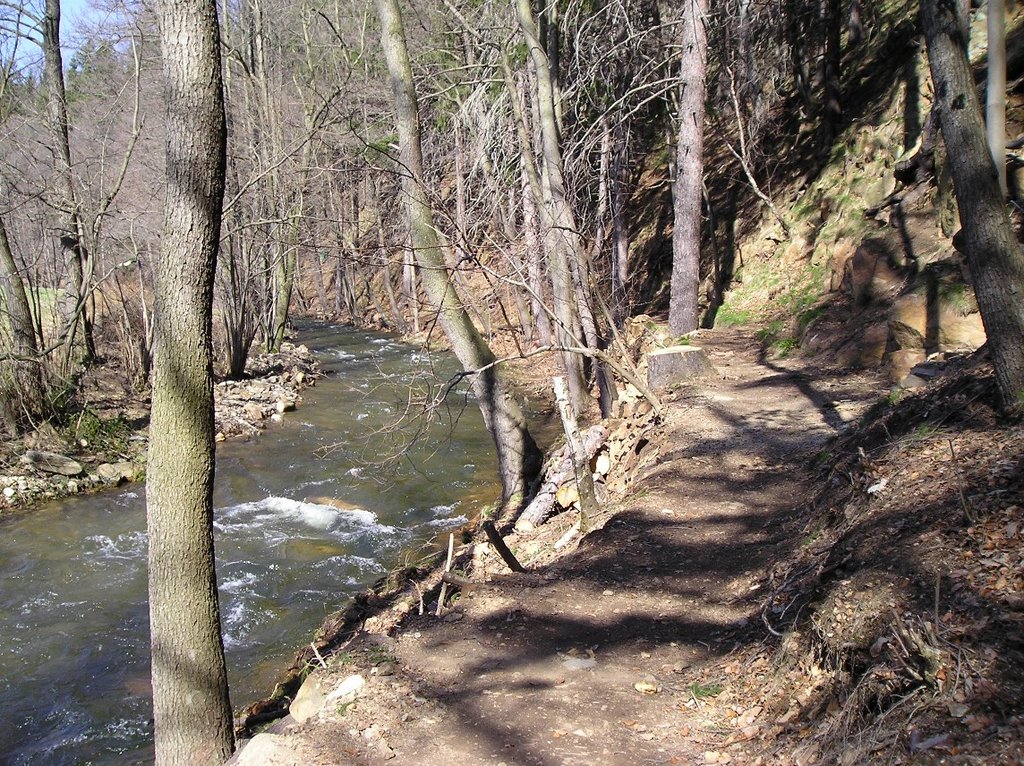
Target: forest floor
[(666, 634)]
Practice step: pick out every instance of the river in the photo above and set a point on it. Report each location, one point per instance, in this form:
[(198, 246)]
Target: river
[(74, 640)]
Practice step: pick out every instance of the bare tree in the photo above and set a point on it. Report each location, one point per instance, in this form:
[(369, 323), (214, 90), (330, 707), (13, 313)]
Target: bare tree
[(995, 89), (518, 456)]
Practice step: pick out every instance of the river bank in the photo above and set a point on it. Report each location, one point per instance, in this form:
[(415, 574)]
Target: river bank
[(104, 443)]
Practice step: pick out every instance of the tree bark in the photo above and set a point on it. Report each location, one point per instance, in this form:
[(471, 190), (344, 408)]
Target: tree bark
[(519, 458), (191, 709), (993, 253), (686, 189)]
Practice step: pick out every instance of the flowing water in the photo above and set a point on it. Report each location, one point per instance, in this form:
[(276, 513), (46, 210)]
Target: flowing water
[(305, 516)]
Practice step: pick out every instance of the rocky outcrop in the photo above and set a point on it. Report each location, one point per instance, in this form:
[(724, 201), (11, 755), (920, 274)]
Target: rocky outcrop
[(928, 309)]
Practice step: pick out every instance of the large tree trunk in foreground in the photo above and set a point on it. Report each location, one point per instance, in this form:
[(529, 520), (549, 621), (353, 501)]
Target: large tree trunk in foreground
[(192, 714), (519, 458), (993, 253), (686, 189)]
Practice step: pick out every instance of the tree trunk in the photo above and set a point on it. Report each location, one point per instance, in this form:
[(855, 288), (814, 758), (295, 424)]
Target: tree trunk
[(284, 281), (519, 459), (993, 253), (620, 233), (995, 91), (686, 189), (832, 107), (564, 245), (73, 238), (191, 710), (27, 394)]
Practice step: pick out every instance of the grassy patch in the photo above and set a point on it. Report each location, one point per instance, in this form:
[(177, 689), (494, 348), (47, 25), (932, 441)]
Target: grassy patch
[(99, 434), (703, 691), (730, 316)]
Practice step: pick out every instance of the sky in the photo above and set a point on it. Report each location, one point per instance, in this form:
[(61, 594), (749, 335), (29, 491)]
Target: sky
[(72, 14)]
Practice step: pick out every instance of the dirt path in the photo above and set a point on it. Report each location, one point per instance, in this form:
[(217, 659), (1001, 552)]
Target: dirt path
[(607, 655)]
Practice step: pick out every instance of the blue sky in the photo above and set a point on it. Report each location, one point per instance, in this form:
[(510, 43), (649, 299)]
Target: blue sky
[(72, 13)]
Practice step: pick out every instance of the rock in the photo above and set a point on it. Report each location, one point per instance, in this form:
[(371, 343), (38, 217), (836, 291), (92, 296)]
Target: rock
[(579, 663), (334, 502), (957, 331), (647, 685), (950, 321), (872, 273), (567, 495), (930, 369), (253, 412), (10, 492), (116, 472), (51, 462), (867, 350), (273, 750), (902, 362), (284, 405), (675, 364), (913, 381), (908, 321), (346, 691), (310, 698)]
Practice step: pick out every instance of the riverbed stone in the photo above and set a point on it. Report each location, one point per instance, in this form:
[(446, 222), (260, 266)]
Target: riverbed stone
[(253, 412)]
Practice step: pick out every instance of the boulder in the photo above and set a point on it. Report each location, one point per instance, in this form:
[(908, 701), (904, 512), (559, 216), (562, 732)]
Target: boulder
[(957, 323), (273, 750), (310, 698), (676, 364), (958, 332), (908, 321), (347, 689), (51, 462), (115, 473)]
